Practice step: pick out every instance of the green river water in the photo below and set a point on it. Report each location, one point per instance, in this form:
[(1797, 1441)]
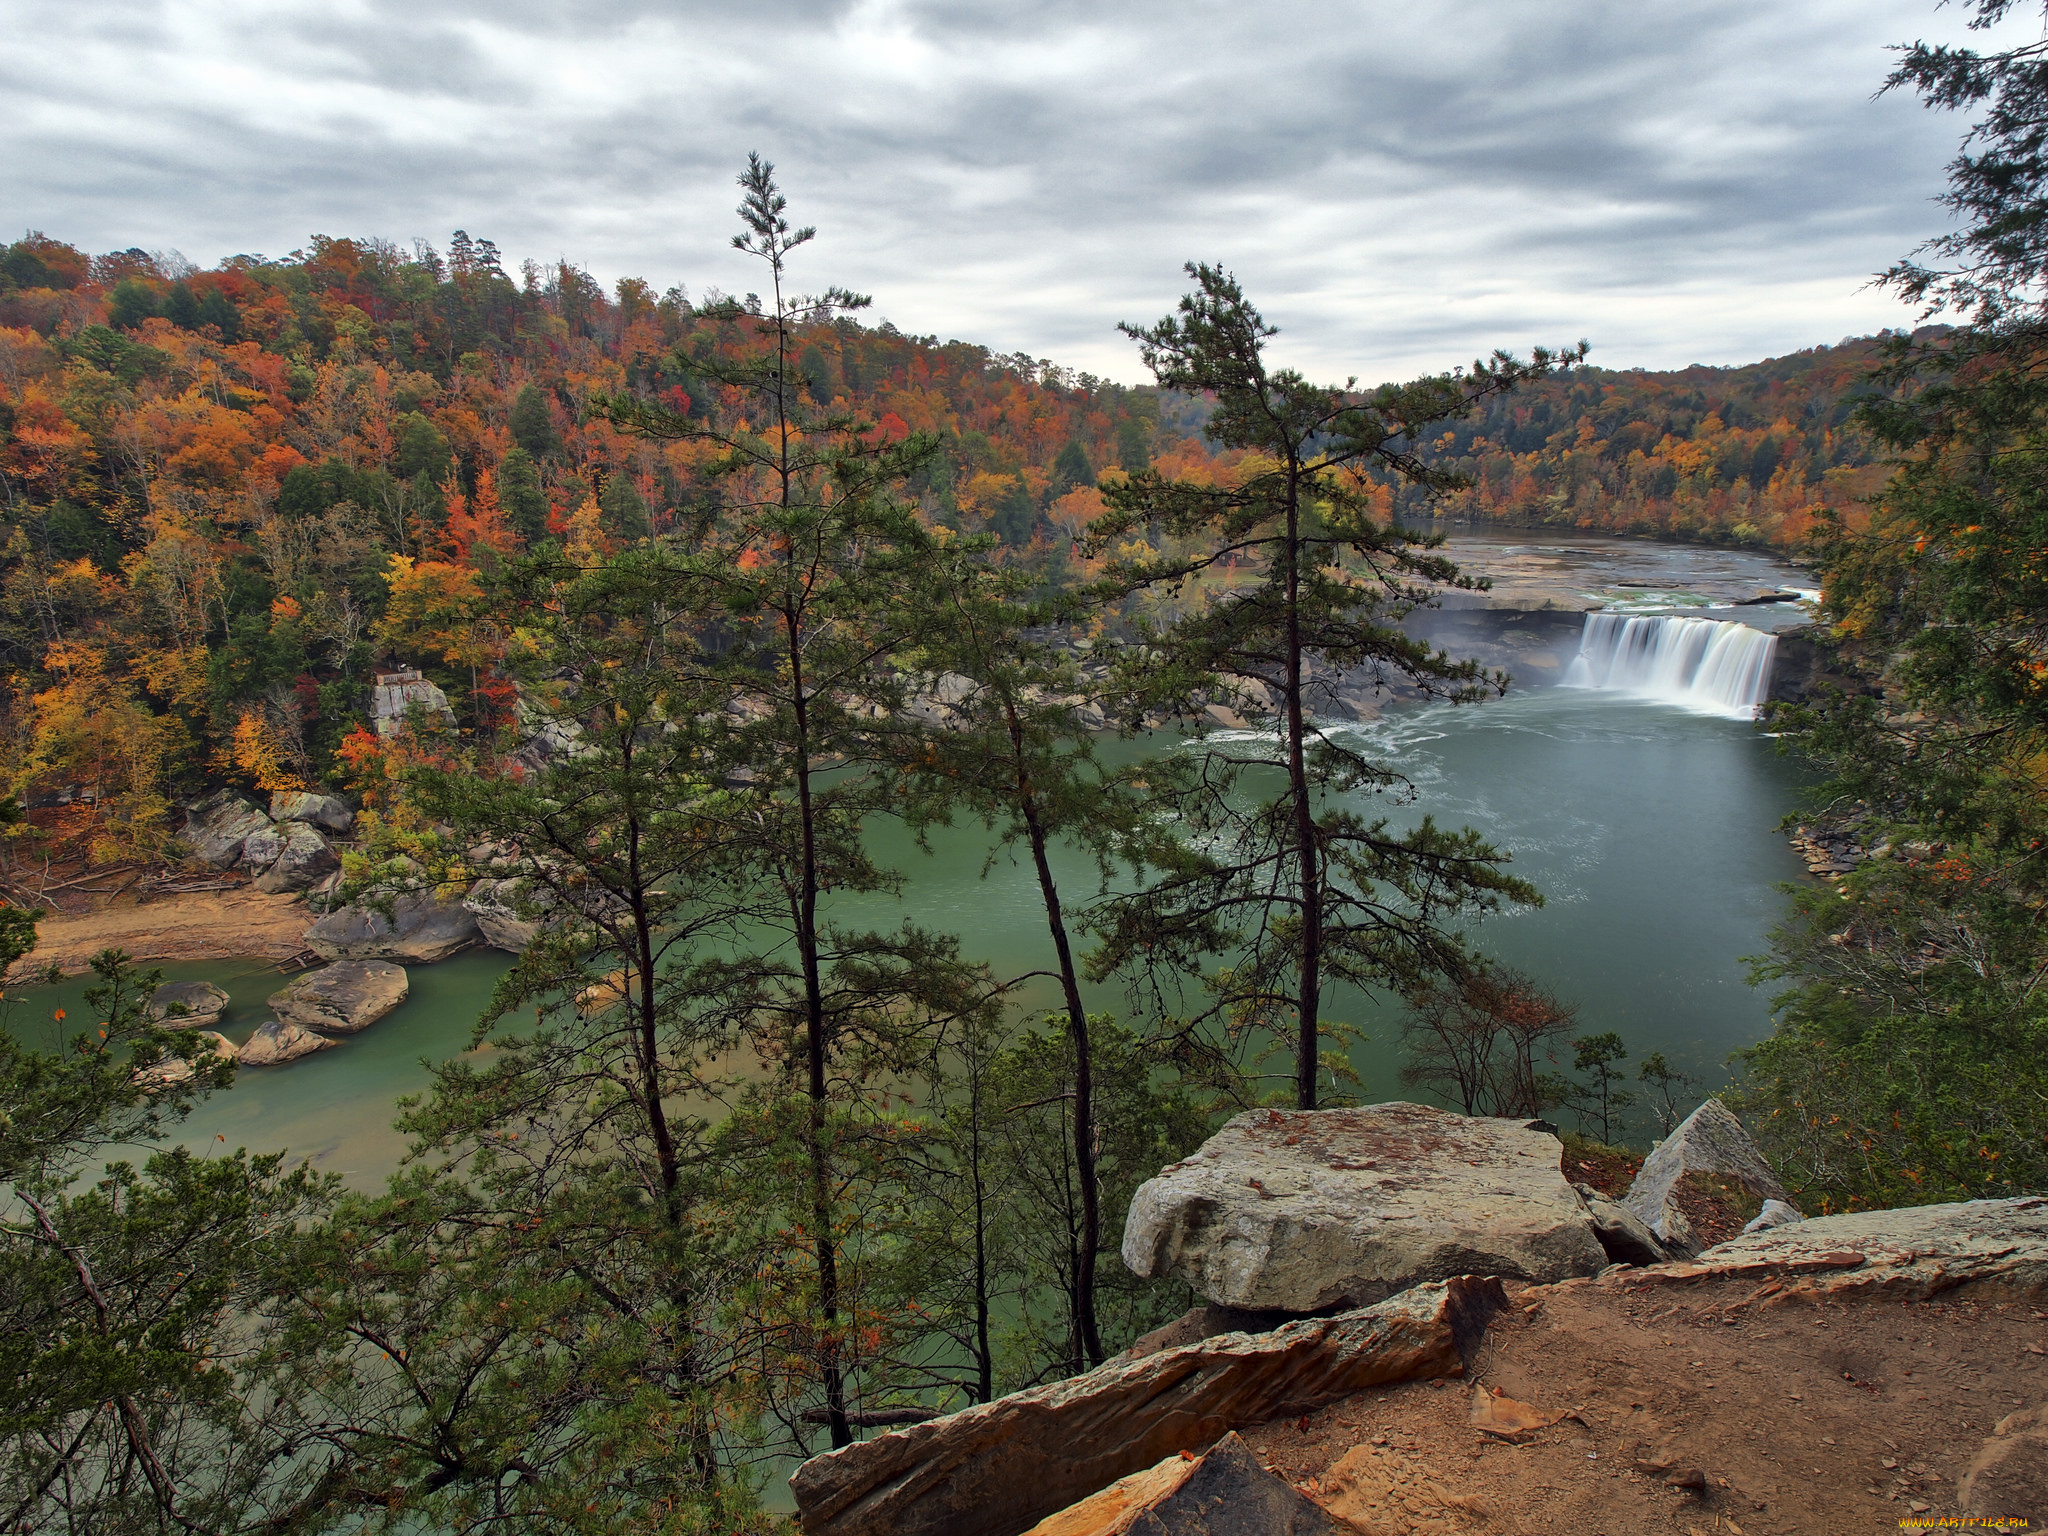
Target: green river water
[(1650, 830)]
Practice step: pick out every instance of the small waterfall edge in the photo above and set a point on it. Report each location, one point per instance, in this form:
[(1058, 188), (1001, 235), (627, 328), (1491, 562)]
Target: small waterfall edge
[(1710, 666)]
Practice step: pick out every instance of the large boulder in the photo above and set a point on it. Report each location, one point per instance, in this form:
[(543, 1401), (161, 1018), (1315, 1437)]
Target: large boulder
[(187, 1004), (279, 1042), (1709, 1143), (291, 856), (342, 998), (424, 926), (1301, 1211), (997, 1468), (1225, 1493), (217, 827), (327, 811)]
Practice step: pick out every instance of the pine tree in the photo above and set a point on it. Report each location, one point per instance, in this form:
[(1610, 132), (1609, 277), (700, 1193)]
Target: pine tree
[(1298, 890)]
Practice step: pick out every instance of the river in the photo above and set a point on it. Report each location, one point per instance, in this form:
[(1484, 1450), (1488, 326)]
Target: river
[(1650, 828)]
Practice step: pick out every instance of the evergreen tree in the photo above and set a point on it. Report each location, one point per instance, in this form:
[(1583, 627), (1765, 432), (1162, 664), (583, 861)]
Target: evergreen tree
[(816, 574), (521, 495), (1908, 1062), (533, 424), (134, 1400), (1014, 757), (624, 511), (1297, 890)]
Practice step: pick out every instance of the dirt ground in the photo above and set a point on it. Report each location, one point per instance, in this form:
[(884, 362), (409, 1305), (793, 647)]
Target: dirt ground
[(1789, 1415), (195, 926)]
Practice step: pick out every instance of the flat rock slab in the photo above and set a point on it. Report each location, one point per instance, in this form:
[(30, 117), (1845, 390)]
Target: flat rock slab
[(187, 1004), (1302, 1211), (279, 1042), (1914, 1251), (998, 1468), (1225, 1493), (423, 926), (342, 998), (1710, 1141)]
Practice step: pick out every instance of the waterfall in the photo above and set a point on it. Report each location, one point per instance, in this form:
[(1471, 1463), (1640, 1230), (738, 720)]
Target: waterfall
[(1722, 668)]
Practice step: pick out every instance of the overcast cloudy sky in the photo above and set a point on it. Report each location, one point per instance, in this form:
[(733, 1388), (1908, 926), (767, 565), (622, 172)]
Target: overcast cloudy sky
[(1400, 184)]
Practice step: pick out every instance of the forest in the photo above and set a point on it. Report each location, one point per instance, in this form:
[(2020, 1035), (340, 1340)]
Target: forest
[(230, 495)]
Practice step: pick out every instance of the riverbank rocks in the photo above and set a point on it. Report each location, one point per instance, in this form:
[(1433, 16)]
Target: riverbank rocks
[(1709, 1142), (998, 1468), (1301, 1211), (1225, 1493), (288, 856), (218, 826), (187, 1004), (423, 926), (325, 811), (342, 998), (279, 1042), (497, 907)]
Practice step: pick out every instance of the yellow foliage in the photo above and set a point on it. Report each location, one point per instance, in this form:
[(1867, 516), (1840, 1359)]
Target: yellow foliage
[(257, 752), (434, 606)]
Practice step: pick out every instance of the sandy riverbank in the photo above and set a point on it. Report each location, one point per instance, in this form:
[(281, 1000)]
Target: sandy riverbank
[(200, 926)]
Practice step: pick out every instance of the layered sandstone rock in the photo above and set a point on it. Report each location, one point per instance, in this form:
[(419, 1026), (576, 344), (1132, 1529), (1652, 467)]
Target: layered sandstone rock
[(1915, 1251), (1301, 1211), (997, 1468), (1225, 1493)]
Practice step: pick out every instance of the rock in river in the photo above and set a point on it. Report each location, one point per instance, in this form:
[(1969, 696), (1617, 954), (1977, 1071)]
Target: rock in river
[(428, 927), (187, 1004), (279, 1042), (342, 998), (1300, 1211)]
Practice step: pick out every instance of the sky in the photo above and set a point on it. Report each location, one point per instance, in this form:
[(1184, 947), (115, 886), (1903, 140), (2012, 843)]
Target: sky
[(1400, 186)]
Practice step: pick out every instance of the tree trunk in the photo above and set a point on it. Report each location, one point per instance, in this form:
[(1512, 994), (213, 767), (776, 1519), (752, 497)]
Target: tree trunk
[(1307, 1048), (1084, 1065)]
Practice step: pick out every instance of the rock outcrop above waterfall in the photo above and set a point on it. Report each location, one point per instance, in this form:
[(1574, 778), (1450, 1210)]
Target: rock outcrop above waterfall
[(1710, 1143), (998, 1468), (342, 998), (421, 927), (1300, 1211), (187, 1004)]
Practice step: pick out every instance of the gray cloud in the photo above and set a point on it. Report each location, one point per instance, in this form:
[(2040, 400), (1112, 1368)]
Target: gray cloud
[(1401, 186)]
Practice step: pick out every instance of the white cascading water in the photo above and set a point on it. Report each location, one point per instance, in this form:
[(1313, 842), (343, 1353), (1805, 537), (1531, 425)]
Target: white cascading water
[(1722, 668)]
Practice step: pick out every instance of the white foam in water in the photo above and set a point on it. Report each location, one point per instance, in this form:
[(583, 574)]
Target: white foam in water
[(1717, 666)]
